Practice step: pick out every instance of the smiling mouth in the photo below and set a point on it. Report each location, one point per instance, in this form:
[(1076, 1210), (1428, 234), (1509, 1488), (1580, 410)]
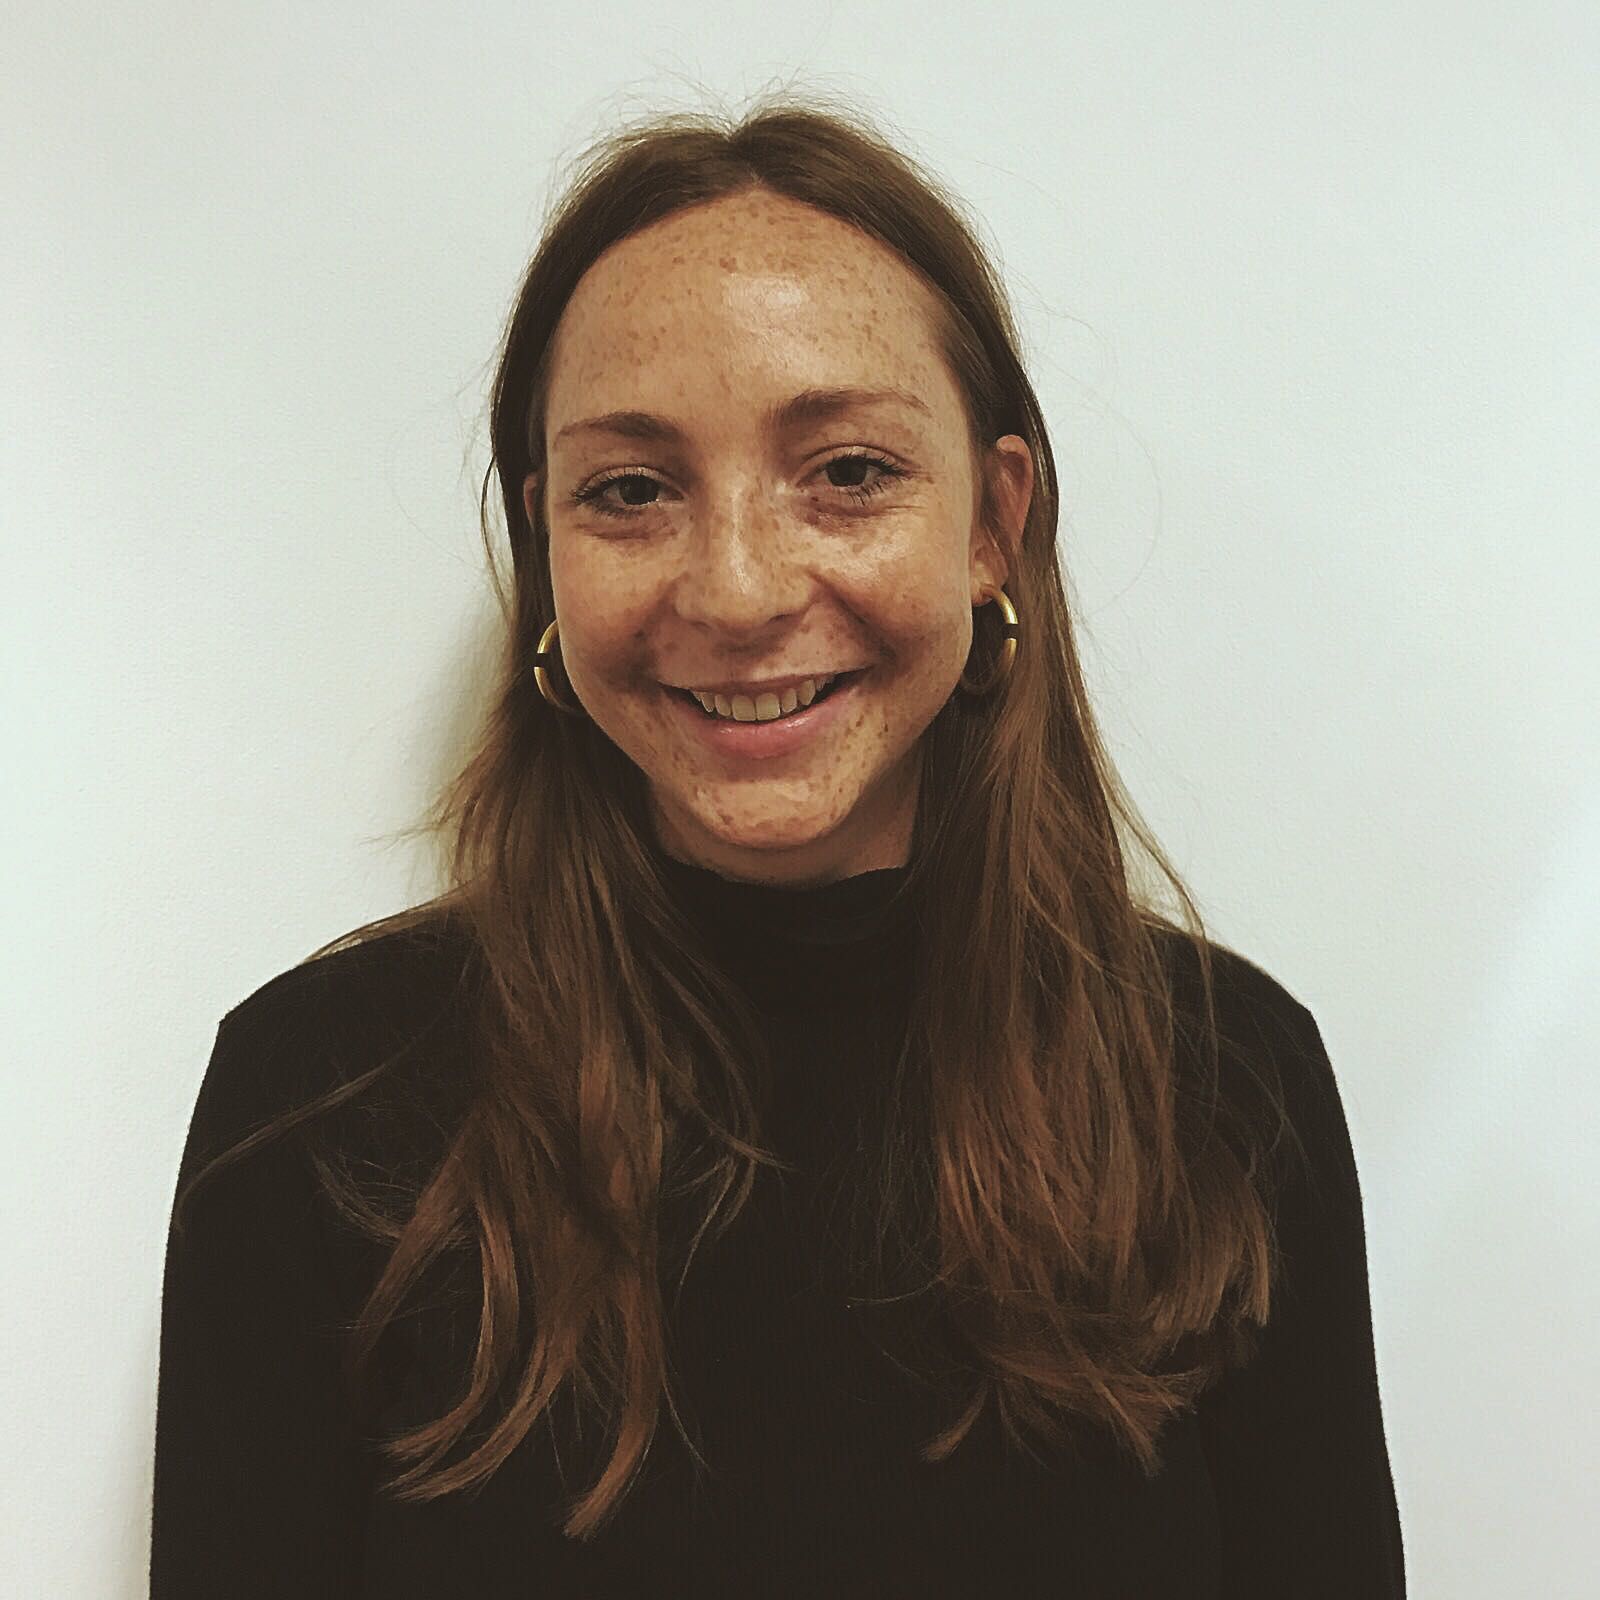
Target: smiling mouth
[(839, 681)]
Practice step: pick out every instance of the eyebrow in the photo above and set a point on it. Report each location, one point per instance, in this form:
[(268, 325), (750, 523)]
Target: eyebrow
[(808, 406)]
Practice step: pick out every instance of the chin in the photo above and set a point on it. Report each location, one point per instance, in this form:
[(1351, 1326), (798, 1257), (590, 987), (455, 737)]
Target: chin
[(768, 829)]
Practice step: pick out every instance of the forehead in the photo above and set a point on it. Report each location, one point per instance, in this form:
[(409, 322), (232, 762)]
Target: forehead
[(746, 289)]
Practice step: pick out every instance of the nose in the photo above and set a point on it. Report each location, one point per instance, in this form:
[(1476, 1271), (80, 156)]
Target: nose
[(741, 568)]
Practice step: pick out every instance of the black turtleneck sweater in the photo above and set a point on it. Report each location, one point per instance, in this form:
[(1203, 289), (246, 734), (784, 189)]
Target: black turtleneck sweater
[(1277, 1485)]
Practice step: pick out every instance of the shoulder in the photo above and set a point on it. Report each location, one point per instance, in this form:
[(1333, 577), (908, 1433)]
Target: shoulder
[(383, 980), (1274, 1075), (395, 996), (1251, 1002)]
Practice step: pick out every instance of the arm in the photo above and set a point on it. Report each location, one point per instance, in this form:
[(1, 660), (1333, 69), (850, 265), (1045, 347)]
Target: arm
[(1295, 1439), (260, 1480)]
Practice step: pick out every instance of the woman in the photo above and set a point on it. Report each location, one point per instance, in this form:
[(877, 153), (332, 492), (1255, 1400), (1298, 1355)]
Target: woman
[(791, 1159)]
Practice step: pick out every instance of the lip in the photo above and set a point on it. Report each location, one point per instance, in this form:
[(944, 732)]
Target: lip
[(777, 686), (760, 741)]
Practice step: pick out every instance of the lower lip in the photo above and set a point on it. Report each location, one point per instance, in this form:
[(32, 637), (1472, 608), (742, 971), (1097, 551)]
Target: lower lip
[(759, 741)]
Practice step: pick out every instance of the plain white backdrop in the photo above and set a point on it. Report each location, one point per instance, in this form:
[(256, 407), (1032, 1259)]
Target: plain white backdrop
[(1309, 296)]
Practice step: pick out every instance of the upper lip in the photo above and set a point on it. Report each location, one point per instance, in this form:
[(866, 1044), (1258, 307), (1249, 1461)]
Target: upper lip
[(757, 686)]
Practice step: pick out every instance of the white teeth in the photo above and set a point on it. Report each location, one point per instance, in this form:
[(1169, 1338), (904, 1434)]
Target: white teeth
[(764, 707)]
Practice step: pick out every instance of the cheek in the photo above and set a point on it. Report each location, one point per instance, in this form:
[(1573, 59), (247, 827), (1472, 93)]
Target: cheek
[(928, 626), (600, 626), (572, 579)]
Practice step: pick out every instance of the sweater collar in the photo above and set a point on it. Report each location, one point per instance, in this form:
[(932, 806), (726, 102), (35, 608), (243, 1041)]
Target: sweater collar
[(848, 943)]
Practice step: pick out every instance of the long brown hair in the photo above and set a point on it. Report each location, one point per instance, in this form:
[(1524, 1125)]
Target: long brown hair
[(1098, 1252)]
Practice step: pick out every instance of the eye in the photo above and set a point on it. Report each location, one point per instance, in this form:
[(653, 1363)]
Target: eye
[(885, 472), (593, 494)]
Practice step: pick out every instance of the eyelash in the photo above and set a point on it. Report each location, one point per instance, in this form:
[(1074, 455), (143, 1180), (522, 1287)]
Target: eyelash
[(591, 494)]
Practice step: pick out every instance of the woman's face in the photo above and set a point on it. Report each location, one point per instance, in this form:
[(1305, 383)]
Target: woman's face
[(717, 537)]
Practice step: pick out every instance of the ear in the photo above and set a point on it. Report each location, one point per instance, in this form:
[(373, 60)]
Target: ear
[(996, 550), (532, 488)]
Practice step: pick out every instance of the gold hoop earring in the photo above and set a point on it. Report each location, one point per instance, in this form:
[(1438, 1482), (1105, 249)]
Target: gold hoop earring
[(1008, 651), (544, 658)]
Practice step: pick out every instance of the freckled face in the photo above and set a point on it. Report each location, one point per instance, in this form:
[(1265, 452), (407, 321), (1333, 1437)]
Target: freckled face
[(745, 543)]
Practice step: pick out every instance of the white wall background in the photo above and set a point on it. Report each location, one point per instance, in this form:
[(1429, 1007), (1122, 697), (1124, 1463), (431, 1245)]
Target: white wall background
[(1310, 300)]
